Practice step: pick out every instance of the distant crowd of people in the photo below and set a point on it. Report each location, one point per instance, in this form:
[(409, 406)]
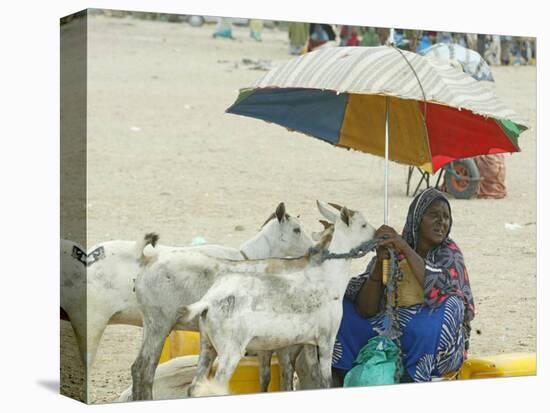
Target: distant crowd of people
[(496, 49), (304, 37)]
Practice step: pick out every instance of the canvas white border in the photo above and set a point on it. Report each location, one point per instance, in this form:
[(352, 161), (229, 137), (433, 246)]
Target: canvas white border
[(30, 212)]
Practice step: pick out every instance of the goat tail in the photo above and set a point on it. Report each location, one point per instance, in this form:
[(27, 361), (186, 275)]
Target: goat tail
[(150, 238), (210, 387), (189, 312)]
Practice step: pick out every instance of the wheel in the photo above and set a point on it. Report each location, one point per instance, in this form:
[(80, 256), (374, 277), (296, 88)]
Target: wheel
[(463, 188), (196, 21)]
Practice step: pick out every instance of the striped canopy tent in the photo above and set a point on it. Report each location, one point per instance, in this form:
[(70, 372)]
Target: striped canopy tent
[(348, 96), (471, 61)]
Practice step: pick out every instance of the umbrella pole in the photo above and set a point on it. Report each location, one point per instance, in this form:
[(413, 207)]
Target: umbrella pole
[(386, 262), (386, 160)]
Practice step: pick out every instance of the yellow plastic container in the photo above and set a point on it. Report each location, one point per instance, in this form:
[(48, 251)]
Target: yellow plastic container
[(180, 343), (501, 365), (246, 378)]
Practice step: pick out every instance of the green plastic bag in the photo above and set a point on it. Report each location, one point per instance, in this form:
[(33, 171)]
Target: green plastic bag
[(375, 364)]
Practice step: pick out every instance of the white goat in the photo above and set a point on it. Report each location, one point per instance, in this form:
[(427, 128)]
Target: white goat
[(107, 296), (173, 377), (276, 309), (177, 278), (299, 359)]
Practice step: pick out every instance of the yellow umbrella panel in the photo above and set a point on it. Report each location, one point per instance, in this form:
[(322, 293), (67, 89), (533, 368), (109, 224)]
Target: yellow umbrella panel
[(364, 128)]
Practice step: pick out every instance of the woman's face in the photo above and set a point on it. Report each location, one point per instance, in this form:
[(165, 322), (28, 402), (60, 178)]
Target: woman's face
[(435, 224)]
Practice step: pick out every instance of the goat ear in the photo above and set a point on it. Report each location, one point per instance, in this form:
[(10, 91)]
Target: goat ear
[(325, 238), (327, 211), (280, 212), (338, 207), (325, 224), (345, 215)]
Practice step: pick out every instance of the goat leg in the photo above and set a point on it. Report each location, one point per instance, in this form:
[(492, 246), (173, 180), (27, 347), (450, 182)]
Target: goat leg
[(325, 361), (264, 359), (307, 368), (155, 331), (96, 325), (227, 363), (285, 366), (206, 359)]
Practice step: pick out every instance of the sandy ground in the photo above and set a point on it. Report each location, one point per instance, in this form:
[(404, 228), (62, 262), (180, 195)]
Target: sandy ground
[(164, 156)]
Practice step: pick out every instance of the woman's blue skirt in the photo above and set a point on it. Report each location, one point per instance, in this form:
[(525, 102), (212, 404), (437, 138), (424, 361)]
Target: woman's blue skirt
[(432, 341)]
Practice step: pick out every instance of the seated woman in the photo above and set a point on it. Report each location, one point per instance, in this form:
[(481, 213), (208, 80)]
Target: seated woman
[(435, 329)]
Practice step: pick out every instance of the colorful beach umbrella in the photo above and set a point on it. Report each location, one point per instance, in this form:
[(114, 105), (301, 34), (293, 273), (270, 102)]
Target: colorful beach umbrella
[(471, 61), (385, 101), (348, 96)]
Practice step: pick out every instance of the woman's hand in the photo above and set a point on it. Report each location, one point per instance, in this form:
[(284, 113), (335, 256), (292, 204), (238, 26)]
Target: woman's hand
[(389, 238)]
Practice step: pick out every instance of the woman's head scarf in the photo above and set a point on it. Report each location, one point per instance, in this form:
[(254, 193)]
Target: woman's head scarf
[(417, 209)]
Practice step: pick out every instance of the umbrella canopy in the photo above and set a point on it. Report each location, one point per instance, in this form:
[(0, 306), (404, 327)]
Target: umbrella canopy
[(342, 95), (471, 61)]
